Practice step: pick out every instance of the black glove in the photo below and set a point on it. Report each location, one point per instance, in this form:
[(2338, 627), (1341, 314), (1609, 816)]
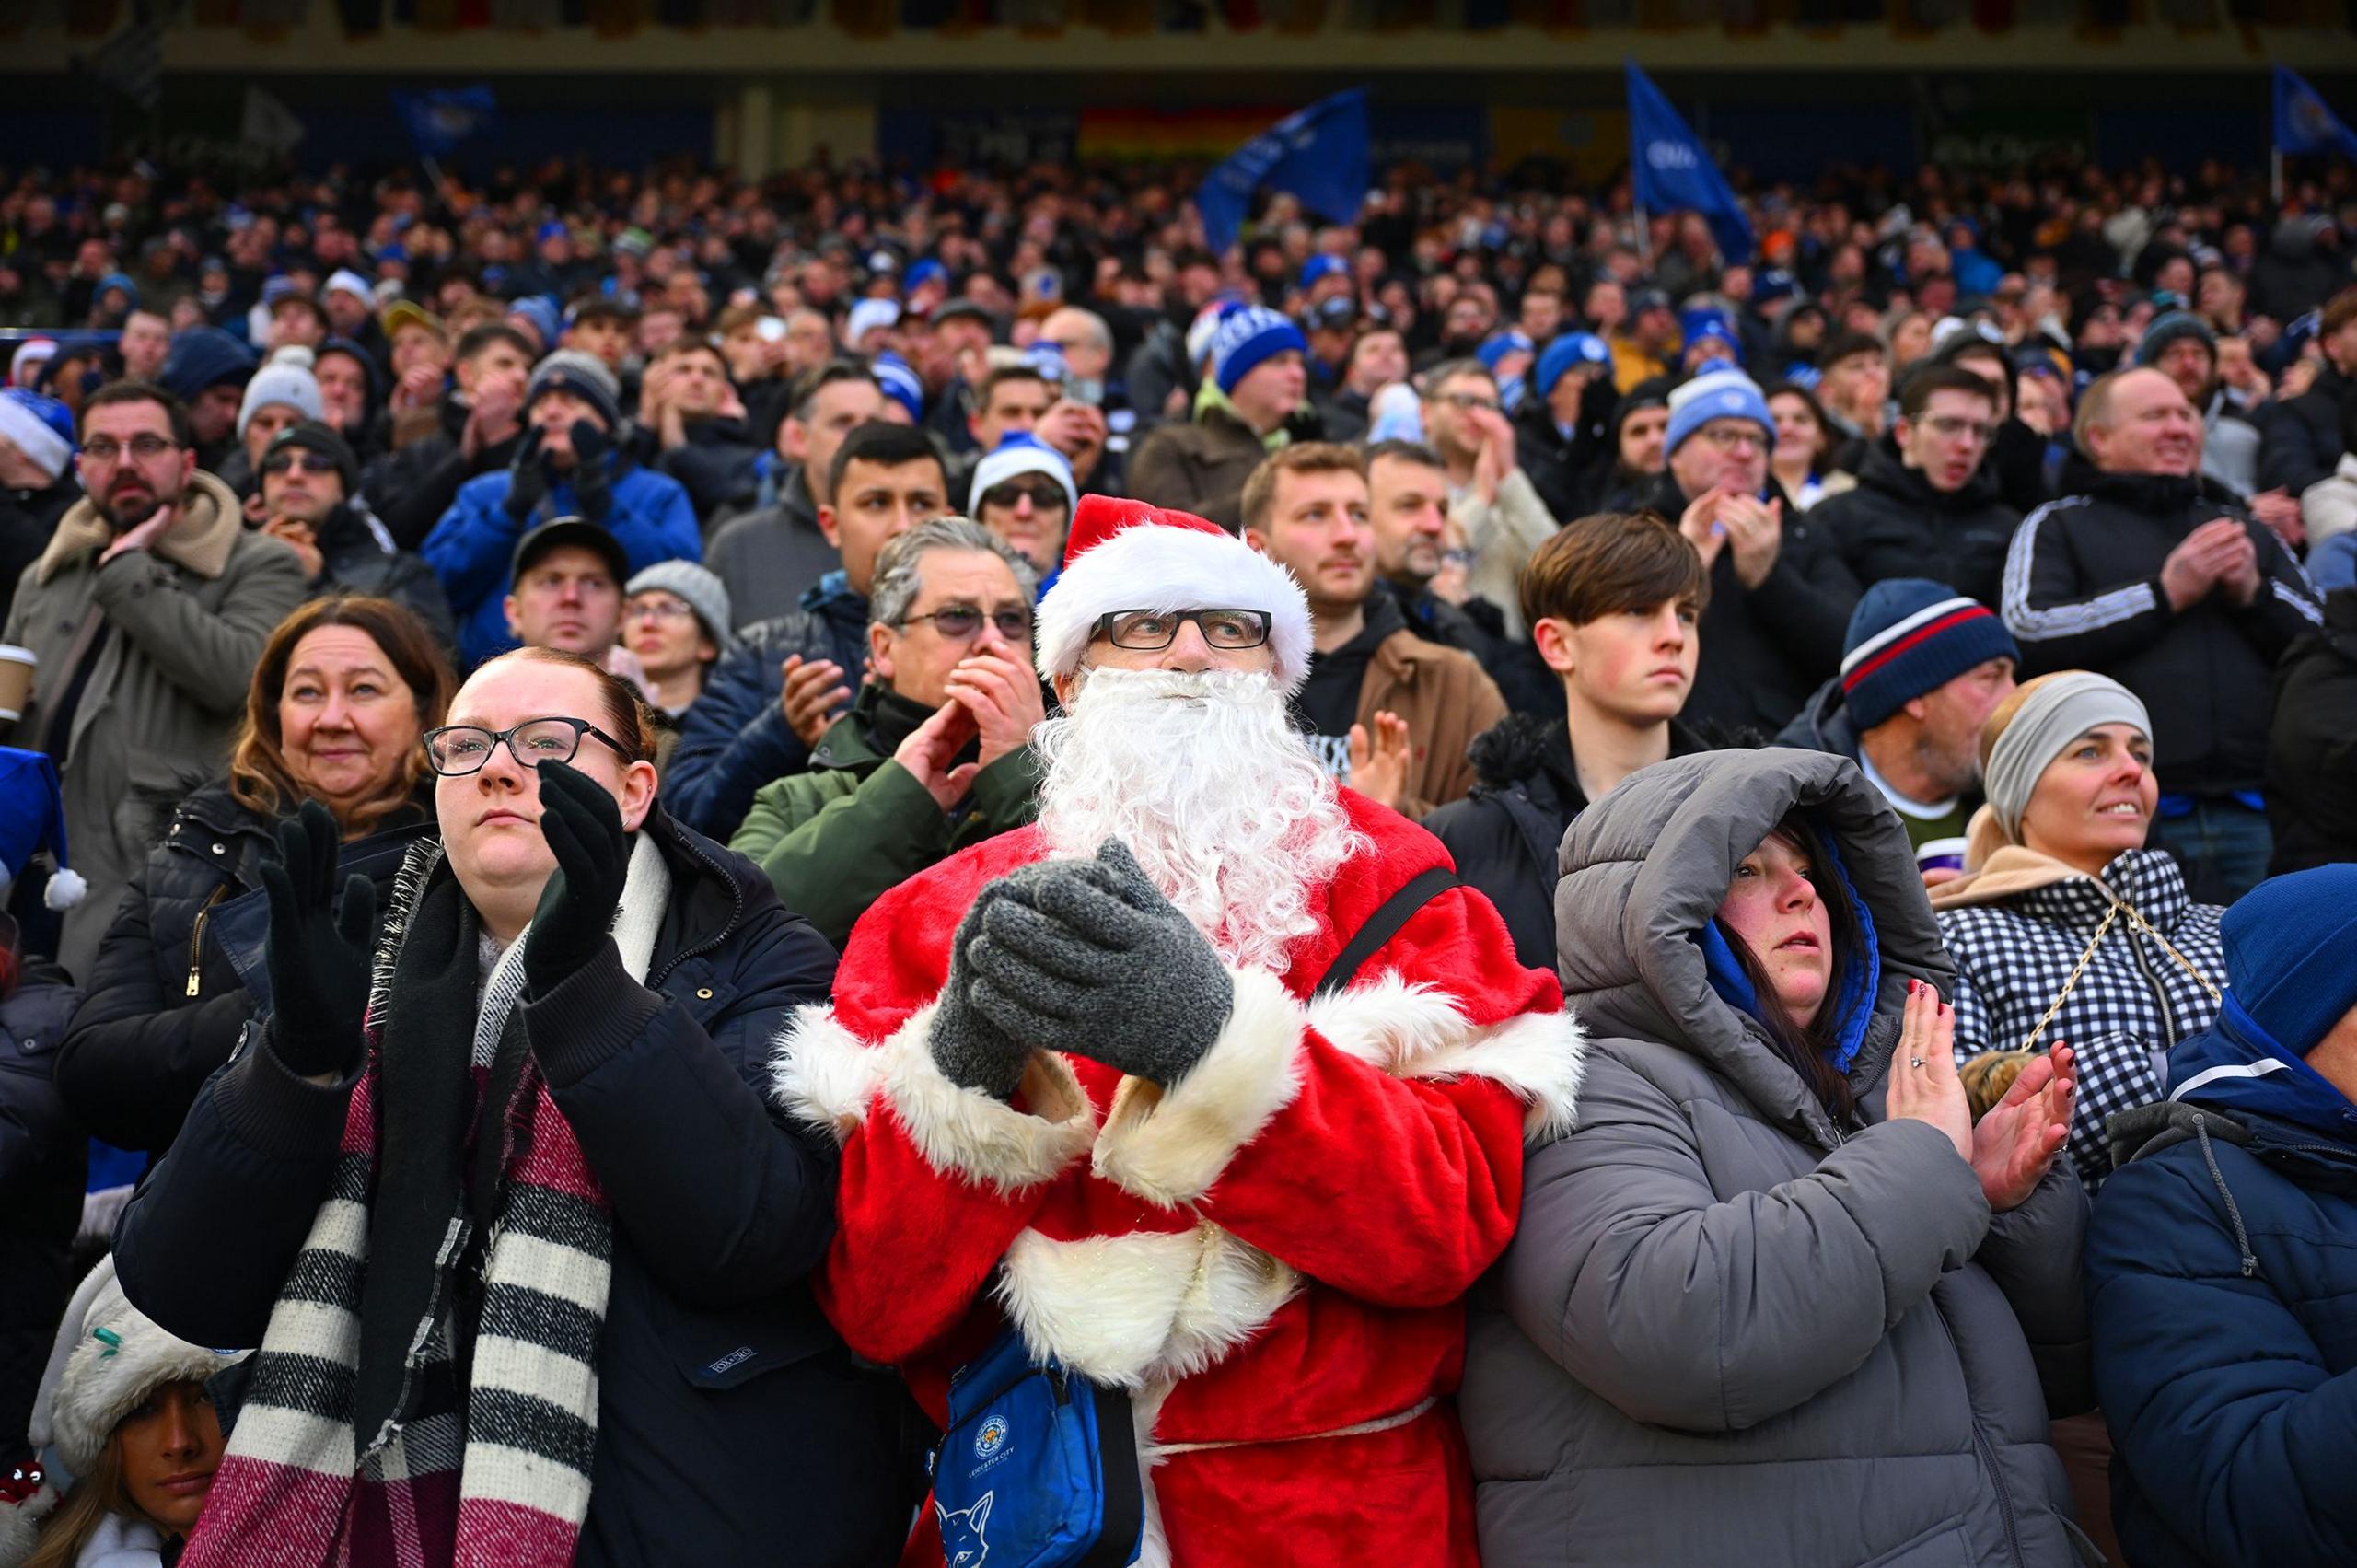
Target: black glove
[(593, 487), (528, 478), (967, 1048), (317, 960), (1093, 960), (583, 828)]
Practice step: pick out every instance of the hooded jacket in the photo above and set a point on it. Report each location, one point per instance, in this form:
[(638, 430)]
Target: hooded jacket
[(2082, 591), (1729, 1331), (2312, 746), (179, 628), (725, 1403), (1896, 523), (2221, 1280)]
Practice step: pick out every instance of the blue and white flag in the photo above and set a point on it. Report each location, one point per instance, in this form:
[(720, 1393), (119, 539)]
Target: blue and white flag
[(1674, 173), (2303, 123), (1321, 155), (438, 120)]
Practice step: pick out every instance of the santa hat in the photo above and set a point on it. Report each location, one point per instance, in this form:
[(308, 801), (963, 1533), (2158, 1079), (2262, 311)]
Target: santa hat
[(1127, 555), (30, 356), (32, 818)]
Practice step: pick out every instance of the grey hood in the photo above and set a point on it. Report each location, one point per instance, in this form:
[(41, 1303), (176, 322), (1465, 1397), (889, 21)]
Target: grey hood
[(1647, 866)]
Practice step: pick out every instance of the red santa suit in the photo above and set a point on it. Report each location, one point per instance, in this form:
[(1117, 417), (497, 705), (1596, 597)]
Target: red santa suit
[(1271, 1253)]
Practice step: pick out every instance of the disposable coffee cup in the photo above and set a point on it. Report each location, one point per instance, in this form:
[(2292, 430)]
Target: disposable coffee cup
[(1940, 855), (15, 680)]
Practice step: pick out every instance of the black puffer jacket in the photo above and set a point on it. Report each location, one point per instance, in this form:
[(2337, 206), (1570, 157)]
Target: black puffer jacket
[(2299, 438), (27, 519), (1897, 523), (2082, 591), (726, 1405), (42, 1156), (180, 970), (411, 486), (1504, 834), (357, 558), (2312, 750)]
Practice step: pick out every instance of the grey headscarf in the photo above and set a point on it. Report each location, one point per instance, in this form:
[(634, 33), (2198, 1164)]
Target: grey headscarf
[(2063, 708)]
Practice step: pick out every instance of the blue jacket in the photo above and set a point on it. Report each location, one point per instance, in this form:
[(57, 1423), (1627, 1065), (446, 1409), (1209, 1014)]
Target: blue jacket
[(472, 549), (733, 738), (2221, 1280)]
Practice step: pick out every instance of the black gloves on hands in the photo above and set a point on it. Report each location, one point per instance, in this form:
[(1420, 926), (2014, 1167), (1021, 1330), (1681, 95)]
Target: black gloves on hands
[(583, 828), (527, 476), (318, 957), (593, 487), (1088, 957), (967, 1048)]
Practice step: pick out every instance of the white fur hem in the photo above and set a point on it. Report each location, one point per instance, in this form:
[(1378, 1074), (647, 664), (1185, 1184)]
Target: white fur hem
[(1167, 1145), (1413, 1032), (822, 1073), (963, 1132), (1143, 1307)]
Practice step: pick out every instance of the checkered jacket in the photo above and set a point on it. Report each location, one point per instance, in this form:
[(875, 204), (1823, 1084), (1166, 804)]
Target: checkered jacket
[(2012, 958)]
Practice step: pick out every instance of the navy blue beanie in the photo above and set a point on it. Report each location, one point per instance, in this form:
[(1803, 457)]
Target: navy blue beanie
[(1909, 636), (201, 358), (1244, 338), (2291, 954)]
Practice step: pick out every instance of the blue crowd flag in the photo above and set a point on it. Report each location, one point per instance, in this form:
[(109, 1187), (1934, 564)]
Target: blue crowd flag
[(1322, 154), (2303, 123), (1674, 173), (439, 120)]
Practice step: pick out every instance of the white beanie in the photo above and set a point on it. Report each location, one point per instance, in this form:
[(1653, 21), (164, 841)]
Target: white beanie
[(1020, 454), (287, 380), (343, 280), (869, 316)]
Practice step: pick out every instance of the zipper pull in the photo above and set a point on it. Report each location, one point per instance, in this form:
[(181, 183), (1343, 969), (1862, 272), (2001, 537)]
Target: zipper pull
[(194, 979)]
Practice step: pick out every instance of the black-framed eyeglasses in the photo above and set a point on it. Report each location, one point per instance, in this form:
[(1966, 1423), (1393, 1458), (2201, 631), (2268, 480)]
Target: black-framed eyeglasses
[(957, 621), (1044, 493), (457, 749), (1150, 631)]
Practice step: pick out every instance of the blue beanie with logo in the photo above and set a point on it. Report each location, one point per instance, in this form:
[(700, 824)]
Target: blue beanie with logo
[(1246, 337), (1720, 391), (1567, 350)]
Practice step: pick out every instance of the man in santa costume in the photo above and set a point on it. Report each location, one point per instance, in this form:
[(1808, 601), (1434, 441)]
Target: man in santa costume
[(1083, 1085)]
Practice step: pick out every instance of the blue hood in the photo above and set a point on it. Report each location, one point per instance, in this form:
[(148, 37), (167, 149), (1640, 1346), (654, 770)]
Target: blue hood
[(2239, 1069)]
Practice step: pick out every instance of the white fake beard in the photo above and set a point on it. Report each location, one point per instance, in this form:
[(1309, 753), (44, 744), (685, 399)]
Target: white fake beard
[(1213, 789)]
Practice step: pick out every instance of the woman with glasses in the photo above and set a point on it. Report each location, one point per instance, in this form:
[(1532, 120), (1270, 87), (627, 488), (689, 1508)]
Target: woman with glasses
[(344, 690), (935, 752), (519, 1237), (675, 624)]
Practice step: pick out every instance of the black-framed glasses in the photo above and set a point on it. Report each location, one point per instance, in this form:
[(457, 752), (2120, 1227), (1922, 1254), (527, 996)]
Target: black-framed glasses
[(1044, 493), (1150, 631), (457, 749), (957, 621)]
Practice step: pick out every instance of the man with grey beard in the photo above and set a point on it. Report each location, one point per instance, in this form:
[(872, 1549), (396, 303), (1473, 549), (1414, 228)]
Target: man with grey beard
[(1212, 1085)]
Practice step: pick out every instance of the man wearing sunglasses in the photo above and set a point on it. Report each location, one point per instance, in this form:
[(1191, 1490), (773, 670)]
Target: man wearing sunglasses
[(1024, 493), (147, 614), (935, 752), (309, 502)]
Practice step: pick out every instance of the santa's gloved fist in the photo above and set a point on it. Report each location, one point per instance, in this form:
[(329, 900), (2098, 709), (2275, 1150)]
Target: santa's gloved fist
[(1090, 958), (967, 1048)]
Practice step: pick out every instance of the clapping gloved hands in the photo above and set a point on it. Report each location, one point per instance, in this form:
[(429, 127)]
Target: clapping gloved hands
[(583, 828), (1083, 957), (527, 476), (593, 486), (530, 475), (318, 956)]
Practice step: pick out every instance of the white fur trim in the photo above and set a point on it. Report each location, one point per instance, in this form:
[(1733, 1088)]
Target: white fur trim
[(1414, 1032), (963, 1132), (1150, 566), (1142, 1308), (33, 437), (98, 1382), (1167, 1145), (822, 1073), (20, 1524)]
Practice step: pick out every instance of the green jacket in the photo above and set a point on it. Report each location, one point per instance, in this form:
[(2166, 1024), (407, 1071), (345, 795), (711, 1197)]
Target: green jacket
[(837, 838)]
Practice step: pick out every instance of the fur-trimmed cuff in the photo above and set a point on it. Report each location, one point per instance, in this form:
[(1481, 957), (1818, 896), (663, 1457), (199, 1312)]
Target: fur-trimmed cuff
[(963, 1132), (1167, 1145)]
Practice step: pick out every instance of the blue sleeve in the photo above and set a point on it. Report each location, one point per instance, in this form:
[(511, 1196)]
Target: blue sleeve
[(472, 547), (2220, 1404), (732, 739)]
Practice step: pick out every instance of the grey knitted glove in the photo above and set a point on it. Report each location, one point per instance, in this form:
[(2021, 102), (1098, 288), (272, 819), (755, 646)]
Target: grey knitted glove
[(1090, 958), (967, 1048)]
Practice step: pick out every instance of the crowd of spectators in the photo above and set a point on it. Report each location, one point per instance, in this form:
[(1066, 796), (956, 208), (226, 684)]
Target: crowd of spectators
[(1865, 681)]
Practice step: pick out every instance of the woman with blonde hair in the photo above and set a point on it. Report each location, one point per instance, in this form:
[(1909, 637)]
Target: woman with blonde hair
[(345, 689)]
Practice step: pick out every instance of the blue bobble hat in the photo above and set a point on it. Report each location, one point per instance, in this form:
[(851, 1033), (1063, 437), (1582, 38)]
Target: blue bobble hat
[(32, 818), (1246, 338)]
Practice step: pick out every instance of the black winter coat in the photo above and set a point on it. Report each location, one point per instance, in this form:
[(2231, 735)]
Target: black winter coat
[(2082, 592), (2299, 438), (28, 517), (1764, 649), (727, 1408), (1897, 523), (42, 1156), (411, 486), (1504, 836), (355, 560), (2312, 749), (715, 465), (180, 970)]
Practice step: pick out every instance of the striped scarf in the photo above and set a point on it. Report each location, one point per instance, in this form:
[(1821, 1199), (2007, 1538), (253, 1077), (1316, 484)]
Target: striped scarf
[(384, 1423)]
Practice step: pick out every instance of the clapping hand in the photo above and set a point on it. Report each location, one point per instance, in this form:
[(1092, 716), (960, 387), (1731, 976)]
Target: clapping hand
[(1923, 1082), (2016, 1140), (583, 828), (318, 956)]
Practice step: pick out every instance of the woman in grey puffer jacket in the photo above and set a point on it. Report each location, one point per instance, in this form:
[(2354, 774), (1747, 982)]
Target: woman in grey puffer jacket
[(1760, 1310)]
